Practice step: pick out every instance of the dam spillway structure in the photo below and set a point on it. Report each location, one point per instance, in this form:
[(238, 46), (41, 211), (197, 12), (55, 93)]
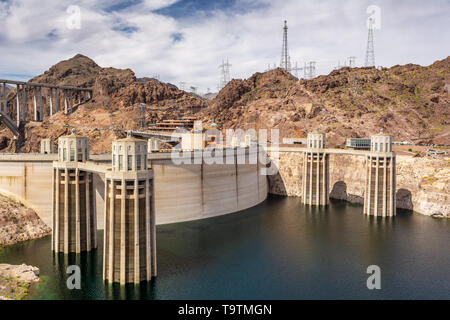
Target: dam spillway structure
[(74, 214), (130, 233), (379, 196), (315, 170)]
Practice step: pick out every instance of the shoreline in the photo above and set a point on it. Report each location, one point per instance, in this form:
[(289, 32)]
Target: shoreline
[(16, 281)]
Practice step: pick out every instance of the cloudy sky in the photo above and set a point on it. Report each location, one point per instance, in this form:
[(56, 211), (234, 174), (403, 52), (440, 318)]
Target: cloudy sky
[(186, 40)]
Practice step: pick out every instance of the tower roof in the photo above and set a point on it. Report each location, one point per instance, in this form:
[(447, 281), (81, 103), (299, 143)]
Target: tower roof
[(73, 134)]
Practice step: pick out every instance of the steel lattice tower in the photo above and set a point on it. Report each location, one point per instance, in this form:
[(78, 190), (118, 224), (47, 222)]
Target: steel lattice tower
[(370, 52), (296, 69), (310, 69), (351, 61), (225, 74), (285, 62)]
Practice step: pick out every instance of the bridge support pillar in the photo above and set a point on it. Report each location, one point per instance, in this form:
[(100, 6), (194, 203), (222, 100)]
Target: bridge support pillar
[(71, 100), (315, 171), (66, 111), (130, 233), (50, 91), (35, 117), (379, 196), (41, 111), (74, 214), (56, 100), (24, 102), (5, 99), (18, 105)]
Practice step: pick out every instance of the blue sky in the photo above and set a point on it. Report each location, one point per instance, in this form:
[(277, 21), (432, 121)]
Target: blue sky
[(187, 40)]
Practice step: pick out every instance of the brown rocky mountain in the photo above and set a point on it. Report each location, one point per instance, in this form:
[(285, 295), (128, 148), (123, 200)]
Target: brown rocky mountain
[(411, 102), (116, 94)]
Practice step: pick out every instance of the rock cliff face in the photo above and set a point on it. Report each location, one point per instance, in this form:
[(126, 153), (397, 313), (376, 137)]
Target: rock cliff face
[(18, 223), (410, 102), (423, 185), (114, 107)]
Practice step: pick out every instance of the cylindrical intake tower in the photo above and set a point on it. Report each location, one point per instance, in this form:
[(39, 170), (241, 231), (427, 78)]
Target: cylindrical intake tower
[(74, 216), (379, 197), (130, 233), (315, 170)]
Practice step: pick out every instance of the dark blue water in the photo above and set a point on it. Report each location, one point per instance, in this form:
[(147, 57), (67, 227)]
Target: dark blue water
[(277, 250)]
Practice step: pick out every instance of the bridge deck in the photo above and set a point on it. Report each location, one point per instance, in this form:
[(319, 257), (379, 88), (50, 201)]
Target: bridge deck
[(45, 85)]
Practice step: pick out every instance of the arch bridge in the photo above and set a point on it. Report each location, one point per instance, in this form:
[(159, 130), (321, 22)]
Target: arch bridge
[(15, 111)]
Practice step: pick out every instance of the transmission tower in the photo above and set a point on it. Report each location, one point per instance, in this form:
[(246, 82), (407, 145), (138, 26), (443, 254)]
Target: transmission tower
[(224, 74), (182, 85), (338, 65), (351, 61), (141, 110), (310, 69), (296, 69), (285, 61), (370, 52)]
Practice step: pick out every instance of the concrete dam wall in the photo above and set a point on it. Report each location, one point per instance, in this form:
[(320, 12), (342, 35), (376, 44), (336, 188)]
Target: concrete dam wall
[(182, 192)]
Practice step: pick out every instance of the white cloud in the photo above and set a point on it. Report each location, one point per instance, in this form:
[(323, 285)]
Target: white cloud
[(34, 36)]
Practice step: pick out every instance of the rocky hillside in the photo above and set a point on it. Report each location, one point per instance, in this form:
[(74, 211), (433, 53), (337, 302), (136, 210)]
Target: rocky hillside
[(411, 102), (117, 93), (16, 280), (19, 223)]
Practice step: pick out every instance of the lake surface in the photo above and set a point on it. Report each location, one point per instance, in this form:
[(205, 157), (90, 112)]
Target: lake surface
[(277, 250)]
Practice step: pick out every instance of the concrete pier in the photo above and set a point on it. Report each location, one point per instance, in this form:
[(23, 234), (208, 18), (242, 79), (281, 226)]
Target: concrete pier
[(5, 102), (18, 105), (315, 171), (74, 214), (130, 233), (379, 196)]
